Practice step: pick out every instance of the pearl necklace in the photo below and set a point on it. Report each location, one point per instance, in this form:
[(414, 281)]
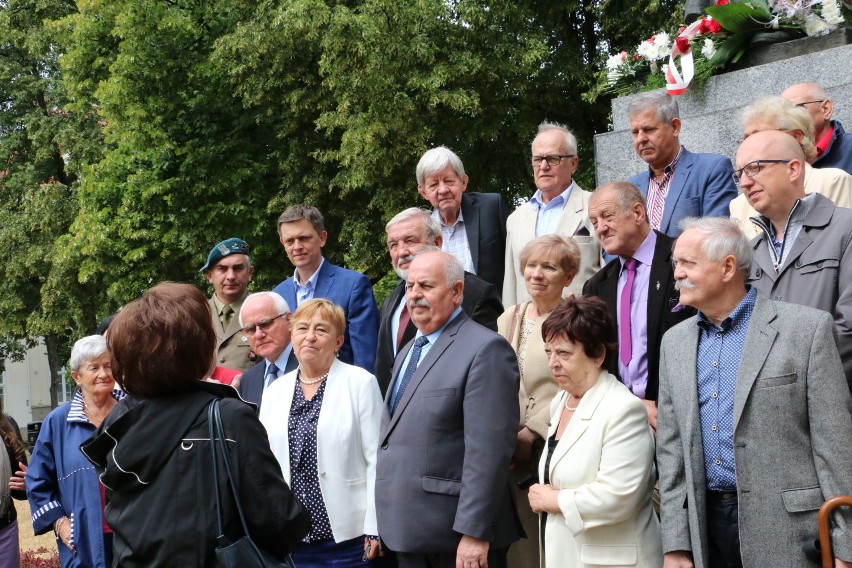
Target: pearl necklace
[(568, 407), (320, 379)]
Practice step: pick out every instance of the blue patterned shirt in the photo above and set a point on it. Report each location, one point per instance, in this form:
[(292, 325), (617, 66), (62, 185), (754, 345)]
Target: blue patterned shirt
[(719, 352)]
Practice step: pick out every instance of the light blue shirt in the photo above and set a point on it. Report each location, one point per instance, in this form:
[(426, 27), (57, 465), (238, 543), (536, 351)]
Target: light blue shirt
[(281, 363), (432, 337), (549, 214), (305, 292)]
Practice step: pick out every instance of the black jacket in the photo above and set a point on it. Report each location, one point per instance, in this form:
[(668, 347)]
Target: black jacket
[(154, 458)]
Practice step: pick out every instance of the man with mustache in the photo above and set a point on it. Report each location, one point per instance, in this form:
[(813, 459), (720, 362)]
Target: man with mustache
[(754, 426), (677, 183), (443, 495), (803, 253), (409, 233)]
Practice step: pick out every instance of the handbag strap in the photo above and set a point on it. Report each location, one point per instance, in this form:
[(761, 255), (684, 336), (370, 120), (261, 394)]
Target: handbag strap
[(212, 409)]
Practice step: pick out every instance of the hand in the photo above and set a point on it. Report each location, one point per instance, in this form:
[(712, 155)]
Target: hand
[(678, 559), (372, 548), (544, 499), (64, 531), (838, 563), (524, 445), (472, 553), (237, 380), (651, 407), (18, 481)]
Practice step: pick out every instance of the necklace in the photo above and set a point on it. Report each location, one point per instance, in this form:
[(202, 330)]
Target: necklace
[(93, 417), (568, 407), (320, 379)]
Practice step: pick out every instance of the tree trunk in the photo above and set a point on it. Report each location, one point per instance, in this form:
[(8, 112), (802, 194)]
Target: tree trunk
[(52, 344)]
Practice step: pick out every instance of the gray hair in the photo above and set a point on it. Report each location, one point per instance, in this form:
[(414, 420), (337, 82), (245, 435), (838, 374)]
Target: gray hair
[(280, 303), (781, 114), (435, 160), (453, 269), (722, 237), (570, 139), (433, 228), (664, 104), (87, 349)]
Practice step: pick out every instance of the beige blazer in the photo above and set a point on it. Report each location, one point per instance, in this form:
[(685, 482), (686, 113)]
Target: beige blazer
[(537, 385), (604, 468), (833, 183), (520, 229)]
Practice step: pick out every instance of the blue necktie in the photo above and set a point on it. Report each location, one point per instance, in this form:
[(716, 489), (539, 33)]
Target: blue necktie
[(271, 373), (409, 370)]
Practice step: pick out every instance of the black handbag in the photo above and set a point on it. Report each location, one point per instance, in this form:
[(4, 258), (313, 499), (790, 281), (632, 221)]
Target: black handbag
[(243, 553)]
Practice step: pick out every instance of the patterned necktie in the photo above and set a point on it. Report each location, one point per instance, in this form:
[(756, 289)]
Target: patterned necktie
[(225, 318), (626, 347), (271, 374), (409, 370), (404, 319)]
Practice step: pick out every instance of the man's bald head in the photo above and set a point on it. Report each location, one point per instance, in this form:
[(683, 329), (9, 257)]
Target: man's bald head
[(813, 98)]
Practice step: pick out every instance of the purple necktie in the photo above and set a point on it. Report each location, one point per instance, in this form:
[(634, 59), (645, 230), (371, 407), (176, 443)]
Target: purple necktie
[(626, 349)]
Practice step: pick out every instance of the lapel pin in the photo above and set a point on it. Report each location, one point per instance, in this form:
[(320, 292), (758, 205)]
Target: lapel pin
[(658, 284)]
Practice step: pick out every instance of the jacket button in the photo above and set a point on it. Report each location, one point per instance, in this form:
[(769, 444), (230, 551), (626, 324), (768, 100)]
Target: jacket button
[(758, 273), (221, 359), (384, 446), (322, 474)]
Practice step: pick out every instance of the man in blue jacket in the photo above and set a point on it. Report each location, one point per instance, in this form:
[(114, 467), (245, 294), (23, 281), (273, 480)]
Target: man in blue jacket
[(834, 146), (677, 183), (301, 229)]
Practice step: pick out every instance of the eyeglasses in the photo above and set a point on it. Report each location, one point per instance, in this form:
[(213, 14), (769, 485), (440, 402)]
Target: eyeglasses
[(751, 169), (552, 161), (262, 325), (809, 103)]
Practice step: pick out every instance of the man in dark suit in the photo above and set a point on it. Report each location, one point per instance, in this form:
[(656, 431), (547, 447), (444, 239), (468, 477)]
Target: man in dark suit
[(473, 225), (443, 497), (265, 320), (677, 183), (617, 211), (409, 233), (302, 232)]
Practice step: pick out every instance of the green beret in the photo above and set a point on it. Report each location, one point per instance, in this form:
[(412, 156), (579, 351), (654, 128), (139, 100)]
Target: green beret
[(223, 249)]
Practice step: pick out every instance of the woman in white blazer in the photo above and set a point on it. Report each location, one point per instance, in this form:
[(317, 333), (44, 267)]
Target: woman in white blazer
[(323, 425), (597, 473)]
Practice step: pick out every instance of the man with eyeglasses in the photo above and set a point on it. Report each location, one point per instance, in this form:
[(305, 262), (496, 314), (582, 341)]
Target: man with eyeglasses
[(834, 146), (265, 320), (803, 254), (559, 206), (677, 183), (228, 269)]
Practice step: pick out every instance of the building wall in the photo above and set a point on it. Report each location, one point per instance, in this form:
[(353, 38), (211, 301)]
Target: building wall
[(26, 388)]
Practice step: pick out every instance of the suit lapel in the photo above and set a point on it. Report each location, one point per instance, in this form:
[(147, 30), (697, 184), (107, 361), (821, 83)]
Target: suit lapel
[(580, 422), (687, 390), (572, 215), (470, 212), (445, 340), (681, 175), (526, 224), (658, 287), (325, 280), (758, 342)]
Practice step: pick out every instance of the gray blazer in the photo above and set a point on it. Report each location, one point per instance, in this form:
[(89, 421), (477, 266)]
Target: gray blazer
[(817, 272), (792, 432), (443, 464)]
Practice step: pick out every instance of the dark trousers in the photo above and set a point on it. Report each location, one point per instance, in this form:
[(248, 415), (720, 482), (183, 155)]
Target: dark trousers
[(346, 554), (496, 559), (723, 530)]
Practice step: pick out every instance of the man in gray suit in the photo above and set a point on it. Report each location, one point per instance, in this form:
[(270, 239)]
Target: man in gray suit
[(443, 497), (803, 253), (754, 419)]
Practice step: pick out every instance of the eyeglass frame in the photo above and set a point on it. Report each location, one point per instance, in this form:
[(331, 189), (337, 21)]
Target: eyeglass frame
[(810, 102), (557, 157), (738, 174), (263, 324)]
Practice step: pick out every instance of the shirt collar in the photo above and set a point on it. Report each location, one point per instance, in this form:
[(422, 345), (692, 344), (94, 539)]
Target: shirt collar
[(738, 316), (312, 281), (645, 253), (77, 413), (437, 215), (561, 199)]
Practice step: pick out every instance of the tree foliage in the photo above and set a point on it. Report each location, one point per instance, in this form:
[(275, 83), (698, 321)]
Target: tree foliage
[(138, 133)]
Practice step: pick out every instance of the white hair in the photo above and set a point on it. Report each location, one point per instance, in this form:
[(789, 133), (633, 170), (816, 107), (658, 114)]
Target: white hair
[(87, 349), (435, 160), (280, 303), (722, 237)]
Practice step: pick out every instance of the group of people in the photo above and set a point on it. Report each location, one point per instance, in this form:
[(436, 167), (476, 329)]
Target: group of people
[(654, 373)]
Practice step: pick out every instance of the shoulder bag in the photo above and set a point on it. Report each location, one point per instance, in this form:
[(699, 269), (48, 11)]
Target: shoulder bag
[(243, 553)]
